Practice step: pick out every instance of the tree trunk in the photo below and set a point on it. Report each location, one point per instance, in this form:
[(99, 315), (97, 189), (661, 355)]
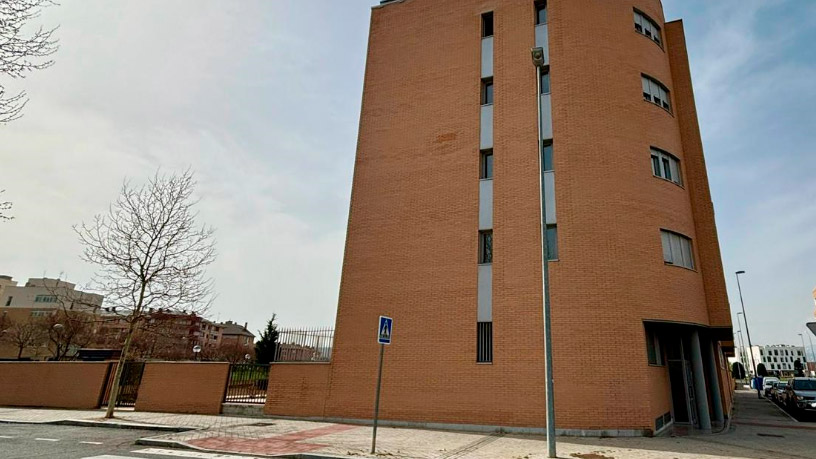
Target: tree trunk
[(117, 381), (20, 352)]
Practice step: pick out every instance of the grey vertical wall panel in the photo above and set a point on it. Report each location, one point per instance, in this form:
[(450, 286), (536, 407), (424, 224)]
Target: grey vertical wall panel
[(485, 297), (487, 57), (549, 196), (486, 134), (546, 117), (542, 41), (486, 204)]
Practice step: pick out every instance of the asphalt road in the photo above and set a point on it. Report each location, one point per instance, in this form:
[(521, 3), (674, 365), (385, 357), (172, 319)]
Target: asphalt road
[(19, 441)]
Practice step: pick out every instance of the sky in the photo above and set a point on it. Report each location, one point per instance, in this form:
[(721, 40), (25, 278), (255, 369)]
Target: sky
[(262, 99)]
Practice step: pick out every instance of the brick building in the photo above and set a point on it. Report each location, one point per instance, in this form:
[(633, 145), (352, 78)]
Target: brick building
[(444, 226)]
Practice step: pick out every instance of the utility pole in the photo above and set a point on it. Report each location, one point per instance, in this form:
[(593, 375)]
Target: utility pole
[(748, 332)]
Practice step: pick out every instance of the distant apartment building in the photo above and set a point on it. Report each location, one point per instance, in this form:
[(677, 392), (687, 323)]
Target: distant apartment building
[(41, 297), (445, 226), (778, 359), (233, 333)]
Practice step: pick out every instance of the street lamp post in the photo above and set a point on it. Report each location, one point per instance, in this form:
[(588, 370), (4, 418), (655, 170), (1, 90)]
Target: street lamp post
[(810, 340), (538, 62), (748, 332), (804, 351)]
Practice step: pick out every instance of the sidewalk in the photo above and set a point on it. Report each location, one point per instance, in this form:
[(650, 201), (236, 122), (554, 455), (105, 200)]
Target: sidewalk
[(759, 430)]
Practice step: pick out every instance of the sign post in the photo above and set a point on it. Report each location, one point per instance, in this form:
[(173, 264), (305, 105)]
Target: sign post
[(383, 337)]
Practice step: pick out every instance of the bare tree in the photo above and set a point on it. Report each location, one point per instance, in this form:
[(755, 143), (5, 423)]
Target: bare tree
[(150, 255), (24, 335), (72, 326), (4, 206), (22, 53)]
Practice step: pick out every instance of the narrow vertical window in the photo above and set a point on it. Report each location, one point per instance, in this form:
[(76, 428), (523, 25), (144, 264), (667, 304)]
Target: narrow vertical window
[(487, 92), (484, 342), (485, 247), (487, 25), (552, 242), (545, 81), (486, 165), (541, 12), (547, 148), (8, 301)]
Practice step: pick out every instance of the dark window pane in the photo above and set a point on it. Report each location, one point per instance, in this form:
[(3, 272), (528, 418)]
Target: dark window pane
[(541, 13), (487, 25), (666, 169), (548, 157), (545, 83), (486, 247), (552, 242), (487, 96), (656, 166), (487, 165)]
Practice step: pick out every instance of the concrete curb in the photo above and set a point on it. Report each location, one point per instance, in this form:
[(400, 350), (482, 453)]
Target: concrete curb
[(104, 424), (159, 442)]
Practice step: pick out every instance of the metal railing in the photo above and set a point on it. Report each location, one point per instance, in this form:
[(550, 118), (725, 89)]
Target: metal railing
[(247, 383), (129, 387), (304, 345)]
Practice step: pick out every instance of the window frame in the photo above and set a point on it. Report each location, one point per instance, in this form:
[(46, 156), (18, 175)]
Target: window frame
[(652, 25), (663, 92), (541, 5), (681, 239), (487, 94), (486, 247), (654, 348), (488, 18), (662, 157), (485, 172)]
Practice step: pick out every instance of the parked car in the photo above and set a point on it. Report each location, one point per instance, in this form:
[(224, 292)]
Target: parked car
[(767, 383), (800, 394), (778, 391)]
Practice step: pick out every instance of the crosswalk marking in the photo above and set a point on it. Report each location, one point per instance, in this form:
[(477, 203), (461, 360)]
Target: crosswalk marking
[(185, 453), (91, 442), (110, 456), (47, 439), (6, 436)]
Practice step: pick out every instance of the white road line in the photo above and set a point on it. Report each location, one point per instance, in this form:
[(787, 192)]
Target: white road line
[(6, 436), (91, 442), (184, 453), (110, 456), (47, 439)]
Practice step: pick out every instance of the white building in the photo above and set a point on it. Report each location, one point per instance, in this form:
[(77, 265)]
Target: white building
[(777, 358)]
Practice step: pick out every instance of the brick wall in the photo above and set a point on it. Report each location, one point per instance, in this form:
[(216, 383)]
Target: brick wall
[(183, 387), (76, 385), (298, 389)]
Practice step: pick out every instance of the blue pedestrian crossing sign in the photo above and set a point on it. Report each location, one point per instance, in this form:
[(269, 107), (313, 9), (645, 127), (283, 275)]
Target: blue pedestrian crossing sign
[(384, 330)]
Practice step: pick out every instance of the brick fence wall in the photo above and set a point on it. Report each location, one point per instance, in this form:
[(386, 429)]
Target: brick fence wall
[(76, 385), (298, 389), (183, 387)]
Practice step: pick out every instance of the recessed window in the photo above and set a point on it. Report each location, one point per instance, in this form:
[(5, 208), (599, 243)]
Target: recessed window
[(541, 12), (666, 166), (486, 166), (655, 92), (552, 242), (653, 349), (487, 92), (677, 249), (545, 81), (45, 299), (485, 247), (547, 149), (484, 342), (8, 301), (644, 25), (487, 25)]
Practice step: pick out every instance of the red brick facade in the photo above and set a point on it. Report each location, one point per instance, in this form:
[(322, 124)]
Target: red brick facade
[(176, 387), (411, 249)]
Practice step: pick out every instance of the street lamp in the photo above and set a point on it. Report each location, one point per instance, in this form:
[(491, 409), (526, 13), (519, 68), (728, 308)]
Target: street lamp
[(196, 351), (538, 62), (804, 350), (748, 332)]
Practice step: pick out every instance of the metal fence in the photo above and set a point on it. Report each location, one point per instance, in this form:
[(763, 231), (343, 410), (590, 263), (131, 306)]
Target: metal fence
[(304, 345), (129, 387), (247, 383)]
